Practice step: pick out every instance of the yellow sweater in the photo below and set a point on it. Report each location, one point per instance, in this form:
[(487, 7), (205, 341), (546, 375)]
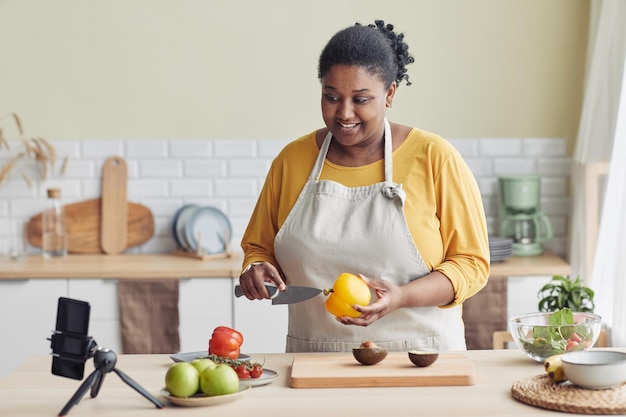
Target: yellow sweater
[(443, 207)]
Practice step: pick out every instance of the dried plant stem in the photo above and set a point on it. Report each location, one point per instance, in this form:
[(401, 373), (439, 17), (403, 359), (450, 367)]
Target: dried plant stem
[(29, 148), (37, 149), (4, 171), (27, 179), (17, 121), (3, 142), (52, 154), (64, 166)]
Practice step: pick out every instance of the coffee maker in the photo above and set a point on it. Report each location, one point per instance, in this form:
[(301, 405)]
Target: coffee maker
[(520, 214)]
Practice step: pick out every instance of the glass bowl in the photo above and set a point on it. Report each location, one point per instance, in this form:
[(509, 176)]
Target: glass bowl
[(541, 335)]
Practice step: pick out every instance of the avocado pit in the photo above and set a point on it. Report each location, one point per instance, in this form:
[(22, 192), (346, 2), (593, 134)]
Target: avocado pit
[(368, 353)]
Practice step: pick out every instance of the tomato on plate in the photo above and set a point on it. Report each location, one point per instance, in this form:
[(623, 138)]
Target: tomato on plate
[(242, 372), (256, 371)]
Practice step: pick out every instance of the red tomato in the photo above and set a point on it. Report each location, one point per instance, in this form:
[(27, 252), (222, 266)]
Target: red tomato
[(576, 338), (257, 371), (242, 372), (571, 345)]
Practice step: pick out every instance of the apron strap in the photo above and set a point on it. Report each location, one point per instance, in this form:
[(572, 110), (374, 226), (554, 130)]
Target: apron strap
[(389, 188)]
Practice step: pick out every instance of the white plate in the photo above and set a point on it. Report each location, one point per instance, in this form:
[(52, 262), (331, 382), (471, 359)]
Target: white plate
[(180, 221), (201, 400), (189, 356), (266, 377), (173, 226), (209, 228)]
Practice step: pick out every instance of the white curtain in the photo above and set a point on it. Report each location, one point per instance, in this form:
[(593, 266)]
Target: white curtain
[(602, 137)]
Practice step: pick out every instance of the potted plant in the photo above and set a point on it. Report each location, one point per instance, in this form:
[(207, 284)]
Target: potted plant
[(563, 292)]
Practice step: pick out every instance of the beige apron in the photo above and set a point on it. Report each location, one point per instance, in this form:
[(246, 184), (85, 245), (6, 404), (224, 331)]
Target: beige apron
[(333, 229)]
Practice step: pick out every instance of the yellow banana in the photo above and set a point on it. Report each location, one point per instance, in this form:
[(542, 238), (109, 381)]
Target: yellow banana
[(554, 368)]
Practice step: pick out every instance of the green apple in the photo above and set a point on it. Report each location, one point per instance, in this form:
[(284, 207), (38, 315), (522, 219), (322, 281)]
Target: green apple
[(202, 363), (182, 379), (219, 380)]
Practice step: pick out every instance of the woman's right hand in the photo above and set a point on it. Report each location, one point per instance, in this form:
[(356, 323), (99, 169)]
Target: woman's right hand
[(252, 281)]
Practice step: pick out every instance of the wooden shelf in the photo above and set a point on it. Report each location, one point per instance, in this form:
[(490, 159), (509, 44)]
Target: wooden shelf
[(546, 264), (149, 266)]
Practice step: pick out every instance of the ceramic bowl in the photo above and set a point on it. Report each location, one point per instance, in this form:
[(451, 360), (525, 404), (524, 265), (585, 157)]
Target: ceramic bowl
[(539, 339), (595, 369)]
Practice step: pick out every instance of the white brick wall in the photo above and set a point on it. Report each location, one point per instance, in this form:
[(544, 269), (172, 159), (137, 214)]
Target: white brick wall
[(228, 174)]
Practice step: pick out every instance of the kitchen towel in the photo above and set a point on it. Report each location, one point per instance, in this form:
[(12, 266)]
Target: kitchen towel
[(149, 315)]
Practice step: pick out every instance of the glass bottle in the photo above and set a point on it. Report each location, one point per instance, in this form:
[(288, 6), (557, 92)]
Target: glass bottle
[(54, 232)]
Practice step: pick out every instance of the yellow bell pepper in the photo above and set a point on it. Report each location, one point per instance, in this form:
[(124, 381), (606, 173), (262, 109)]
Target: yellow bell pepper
[(348, 290)]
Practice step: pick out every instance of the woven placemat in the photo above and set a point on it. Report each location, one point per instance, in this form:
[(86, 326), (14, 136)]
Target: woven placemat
[(540, 391)]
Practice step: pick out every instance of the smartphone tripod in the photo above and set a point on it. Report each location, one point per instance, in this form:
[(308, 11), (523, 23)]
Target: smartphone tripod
[(104, 360)]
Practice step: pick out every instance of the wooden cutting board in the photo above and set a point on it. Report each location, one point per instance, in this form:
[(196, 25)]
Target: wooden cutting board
[(83, 220), (341, 370), (114, 208)]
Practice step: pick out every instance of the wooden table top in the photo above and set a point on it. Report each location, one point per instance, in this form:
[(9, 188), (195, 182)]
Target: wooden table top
[(31, 391)]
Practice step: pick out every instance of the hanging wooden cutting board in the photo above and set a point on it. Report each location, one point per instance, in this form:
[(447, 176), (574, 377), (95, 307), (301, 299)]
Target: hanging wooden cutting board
[(341, 370), (114, 209), (83, 220), (103, 225)]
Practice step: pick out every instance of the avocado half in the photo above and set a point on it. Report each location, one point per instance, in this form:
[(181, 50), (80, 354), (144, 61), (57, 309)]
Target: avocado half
[(369, 355)]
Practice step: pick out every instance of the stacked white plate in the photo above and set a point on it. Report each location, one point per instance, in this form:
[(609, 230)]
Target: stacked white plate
[(201, 229), (500, 248)]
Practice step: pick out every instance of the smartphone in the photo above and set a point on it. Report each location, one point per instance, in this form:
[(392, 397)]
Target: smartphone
[(70, 341)]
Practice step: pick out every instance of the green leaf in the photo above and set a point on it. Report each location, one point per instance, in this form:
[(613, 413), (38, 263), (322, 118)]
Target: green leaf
[(563, 316)]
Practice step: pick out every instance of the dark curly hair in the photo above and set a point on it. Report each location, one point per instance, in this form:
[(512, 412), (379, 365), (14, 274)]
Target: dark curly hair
[(375, 47)]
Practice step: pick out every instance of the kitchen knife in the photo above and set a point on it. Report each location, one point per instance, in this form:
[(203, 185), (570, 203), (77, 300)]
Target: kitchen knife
[(293, 294)]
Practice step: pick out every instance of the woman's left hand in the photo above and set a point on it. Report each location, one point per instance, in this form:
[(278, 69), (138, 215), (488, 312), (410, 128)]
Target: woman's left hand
[(433, 289), (389, 298)]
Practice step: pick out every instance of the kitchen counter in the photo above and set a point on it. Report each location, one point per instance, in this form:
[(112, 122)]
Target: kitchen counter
[(547, 263), (38, 282), (31, 391), (152, 266)]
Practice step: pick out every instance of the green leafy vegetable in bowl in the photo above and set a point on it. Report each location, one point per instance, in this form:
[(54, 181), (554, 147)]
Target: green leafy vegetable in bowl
[(541, 335)]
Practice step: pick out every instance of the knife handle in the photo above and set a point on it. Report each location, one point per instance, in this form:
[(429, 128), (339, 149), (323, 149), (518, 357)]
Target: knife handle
[(238, 291), (271, 289)]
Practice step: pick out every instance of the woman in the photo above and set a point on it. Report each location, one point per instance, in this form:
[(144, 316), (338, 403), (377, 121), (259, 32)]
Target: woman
[(362, 195)]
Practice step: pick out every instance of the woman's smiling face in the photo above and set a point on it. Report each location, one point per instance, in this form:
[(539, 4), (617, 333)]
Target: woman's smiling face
[(354, 104)]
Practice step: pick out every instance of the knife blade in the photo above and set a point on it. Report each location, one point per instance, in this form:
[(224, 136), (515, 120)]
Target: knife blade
[(293, 293)]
